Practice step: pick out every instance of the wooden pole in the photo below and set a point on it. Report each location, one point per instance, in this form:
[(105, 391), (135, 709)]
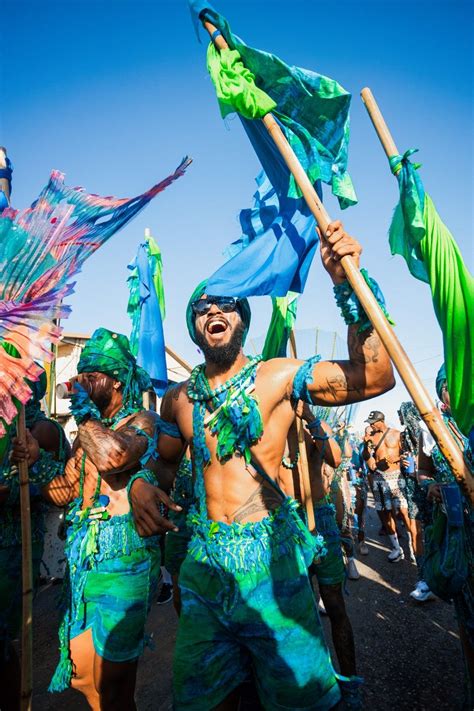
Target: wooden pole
[(407, 372), (26, 688), (303, 466), (178, 359), (420, 396), (27, 576)]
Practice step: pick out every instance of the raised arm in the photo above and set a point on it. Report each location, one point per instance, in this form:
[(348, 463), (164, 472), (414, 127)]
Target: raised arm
[(368, 372)]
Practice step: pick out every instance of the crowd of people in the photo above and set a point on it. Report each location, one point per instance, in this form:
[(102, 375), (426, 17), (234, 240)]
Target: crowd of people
[(211, 491)]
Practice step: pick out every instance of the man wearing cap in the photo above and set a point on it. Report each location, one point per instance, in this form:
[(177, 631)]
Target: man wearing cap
[(111, 571), (247, 605), (383, 455)]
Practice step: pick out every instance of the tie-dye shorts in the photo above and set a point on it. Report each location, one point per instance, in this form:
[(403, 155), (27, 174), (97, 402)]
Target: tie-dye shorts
[(389, 491), (258, 618)]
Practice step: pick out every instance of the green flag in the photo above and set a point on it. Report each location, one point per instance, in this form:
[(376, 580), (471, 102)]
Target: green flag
[(418, 234), (281, 324)]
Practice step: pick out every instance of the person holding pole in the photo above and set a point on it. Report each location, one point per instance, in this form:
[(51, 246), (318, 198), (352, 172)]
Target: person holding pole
[(54, 451), (324, 456), (247, 604)]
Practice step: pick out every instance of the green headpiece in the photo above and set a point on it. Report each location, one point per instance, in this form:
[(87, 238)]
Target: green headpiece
[(244, 308), (109, 352), (440, 380)]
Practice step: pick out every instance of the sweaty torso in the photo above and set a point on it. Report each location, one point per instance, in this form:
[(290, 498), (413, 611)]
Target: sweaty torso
[(234, 490), (387, 456)]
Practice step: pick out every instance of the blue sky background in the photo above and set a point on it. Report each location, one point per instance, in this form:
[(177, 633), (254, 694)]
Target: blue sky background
[(115, 93)]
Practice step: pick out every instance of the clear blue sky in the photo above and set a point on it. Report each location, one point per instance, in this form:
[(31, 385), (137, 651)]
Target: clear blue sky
[(115, 93)]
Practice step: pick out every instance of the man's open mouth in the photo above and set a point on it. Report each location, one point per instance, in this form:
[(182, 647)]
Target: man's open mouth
[(216, 325)]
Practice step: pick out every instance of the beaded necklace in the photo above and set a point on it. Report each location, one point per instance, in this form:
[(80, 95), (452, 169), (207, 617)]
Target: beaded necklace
[(235, 418)]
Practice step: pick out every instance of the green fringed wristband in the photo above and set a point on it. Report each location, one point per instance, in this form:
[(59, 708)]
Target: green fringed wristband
[(352, 310), (145, 474), (45, 469)]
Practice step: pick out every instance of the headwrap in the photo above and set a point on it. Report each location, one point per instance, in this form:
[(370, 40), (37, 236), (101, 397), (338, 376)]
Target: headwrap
[(440, 380), (244, 309), (109, 352), (33, 411)]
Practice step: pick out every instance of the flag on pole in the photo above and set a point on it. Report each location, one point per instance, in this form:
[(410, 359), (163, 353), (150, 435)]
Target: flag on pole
[(41, 249), (313, 113), (281, 325), (418, 234), (146, 308), (274, 253)]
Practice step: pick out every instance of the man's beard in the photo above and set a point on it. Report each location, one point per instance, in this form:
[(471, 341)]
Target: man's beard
[(222, 356)]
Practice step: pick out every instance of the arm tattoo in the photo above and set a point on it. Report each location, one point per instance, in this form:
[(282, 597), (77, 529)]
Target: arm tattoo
[(338, 385), (111, 451), (363, 347), (263, 498)]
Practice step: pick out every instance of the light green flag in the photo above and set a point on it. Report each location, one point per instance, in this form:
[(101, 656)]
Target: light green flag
[(418, 234), (281, 324)]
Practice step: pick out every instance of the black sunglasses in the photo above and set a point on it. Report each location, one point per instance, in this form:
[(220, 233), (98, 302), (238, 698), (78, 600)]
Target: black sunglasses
[(226, 304)]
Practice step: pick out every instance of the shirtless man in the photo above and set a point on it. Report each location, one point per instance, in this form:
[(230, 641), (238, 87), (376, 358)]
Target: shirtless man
[(247, 605), (383, 454), (112, 571), (324, 456)]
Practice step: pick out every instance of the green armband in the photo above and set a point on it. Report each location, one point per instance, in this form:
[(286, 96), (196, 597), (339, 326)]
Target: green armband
[(351, 309), (45, 469)]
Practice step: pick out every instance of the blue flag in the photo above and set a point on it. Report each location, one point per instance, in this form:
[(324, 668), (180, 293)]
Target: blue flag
[(278, 238), (275, 251), (147, 339)]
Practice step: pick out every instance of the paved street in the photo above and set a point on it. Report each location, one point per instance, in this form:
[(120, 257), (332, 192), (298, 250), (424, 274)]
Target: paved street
[(408, 654)]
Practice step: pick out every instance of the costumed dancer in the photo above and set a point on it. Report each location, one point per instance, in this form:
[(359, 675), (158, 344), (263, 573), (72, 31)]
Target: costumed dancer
[(176, 542), (324, 456), (343, 496), (361, 485), (419, 509), (112, 572), (448, 562), (54, 451), (247, 604)]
